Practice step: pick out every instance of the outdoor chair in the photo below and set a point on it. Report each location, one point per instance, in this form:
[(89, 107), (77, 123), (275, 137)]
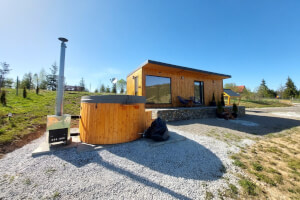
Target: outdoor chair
[(185, 101), (197, 103)]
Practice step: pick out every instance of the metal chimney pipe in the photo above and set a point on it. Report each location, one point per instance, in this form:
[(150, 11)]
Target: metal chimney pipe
[(60, 87)]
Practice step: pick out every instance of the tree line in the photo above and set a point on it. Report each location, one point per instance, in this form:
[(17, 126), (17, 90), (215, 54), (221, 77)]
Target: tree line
[(48, 81), (288, 91)]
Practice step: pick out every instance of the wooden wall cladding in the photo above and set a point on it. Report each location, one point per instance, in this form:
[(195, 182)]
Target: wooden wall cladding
[(130, 82), (182, 84)]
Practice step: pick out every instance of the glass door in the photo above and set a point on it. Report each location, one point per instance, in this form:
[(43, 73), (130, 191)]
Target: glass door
[(199, 92)]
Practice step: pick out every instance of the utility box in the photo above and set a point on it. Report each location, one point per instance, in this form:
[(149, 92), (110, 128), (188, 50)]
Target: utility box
[(58, 128)]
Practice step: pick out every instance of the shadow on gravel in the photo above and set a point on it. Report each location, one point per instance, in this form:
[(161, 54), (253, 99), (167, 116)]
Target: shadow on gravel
[(185, 158), (257, 124)]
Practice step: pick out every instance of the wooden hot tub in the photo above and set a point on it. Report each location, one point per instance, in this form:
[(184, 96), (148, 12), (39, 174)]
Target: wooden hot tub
[(111, 119)]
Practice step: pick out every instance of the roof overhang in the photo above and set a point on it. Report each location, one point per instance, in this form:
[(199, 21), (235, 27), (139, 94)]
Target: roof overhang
[(180, 68)]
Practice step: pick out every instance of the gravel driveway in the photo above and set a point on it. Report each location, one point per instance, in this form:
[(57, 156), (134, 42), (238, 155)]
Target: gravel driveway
[(190, 168)]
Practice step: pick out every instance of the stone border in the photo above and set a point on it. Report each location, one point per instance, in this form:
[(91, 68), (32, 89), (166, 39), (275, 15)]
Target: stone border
[(177, 114)]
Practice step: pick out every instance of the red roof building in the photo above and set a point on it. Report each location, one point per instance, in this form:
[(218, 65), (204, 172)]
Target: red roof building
[(240, 89)]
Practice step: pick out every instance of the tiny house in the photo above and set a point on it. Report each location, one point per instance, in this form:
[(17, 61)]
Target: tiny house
[(162, 83)]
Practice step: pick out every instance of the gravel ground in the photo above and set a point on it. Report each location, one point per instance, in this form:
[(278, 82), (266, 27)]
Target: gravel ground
[(186, 169), (136, 170)]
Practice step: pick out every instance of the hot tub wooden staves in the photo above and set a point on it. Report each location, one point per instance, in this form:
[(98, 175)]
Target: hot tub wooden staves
[(111, 119)]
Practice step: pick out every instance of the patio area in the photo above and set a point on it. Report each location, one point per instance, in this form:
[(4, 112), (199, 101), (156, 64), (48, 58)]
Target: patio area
[(187, 113)]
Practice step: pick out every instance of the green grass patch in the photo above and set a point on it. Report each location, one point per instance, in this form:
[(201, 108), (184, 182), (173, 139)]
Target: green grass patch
[(294, 164), (238, 162), (248, 186), (257, 166), (264, 178), (264, 103), (31, 112)]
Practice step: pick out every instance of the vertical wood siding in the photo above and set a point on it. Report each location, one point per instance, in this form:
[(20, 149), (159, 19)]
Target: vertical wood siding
[(182, 84)]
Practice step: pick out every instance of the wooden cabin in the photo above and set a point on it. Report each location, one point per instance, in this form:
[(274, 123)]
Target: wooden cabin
[(162, 83)]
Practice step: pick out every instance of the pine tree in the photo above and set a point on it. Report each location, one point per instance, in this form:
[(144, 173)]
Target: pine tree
[(3, 98), (82, 85), (290, 90), (102, 88), (264, 91), (114, 88), (3, 71), (52, 78), (222, 100), (24, 93), (107, 90), (121, 84)]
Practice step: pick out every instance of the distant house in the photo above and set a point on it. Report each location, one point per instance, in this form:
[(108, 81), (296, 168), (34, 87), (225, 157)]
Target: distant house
[(240, 89), (162, 83), (231, 95), (73, 88)]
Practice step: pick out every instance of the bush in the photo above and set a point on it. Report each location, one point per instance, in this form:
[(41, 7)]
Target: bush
[(222, 100), (37, 90), (234, 108), (213, 101), (24, 93), (219, 108), (3, 98)]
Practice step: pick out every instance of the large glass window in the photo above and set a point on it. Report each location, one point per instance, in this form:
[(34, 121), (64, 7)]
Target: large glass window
[(199, 92), (158, 89)]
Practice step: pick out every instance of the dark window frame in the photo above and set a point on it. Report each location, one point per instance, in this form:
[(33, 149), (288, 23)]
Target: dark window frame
[(203, 103), (170, 90), (136, 85)]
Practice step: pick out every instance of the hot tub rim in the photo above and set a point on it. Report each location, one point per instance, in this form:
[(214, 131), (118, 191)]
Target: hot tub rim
[(119, 99)]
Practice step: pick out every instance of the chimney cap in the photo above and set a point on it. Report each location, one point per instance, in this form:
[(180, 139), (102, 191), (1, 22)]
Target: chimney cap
[(63, 39)]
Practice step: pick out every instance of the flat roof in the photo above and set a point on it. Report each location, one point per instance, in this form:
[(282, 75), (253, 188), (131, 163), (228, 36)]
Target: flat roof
[(178, 67)]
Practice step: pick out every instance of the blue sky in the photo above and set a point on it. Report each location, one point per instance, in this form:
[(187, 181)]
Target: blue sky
[(249, 40)]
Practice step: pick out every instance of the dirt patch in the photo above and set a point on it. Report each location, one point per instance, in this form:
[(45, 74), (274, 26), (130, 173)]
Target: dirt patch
[(21, 141)]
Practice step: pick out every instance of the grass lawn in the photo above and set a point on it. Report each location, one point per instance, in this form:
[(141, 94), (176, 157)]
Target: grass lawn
[(31, 112), (272, 166), (265, 103)]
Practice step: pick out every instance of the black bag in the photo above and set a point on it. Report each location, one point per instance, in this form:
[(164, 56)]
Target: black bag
[(158, 130)]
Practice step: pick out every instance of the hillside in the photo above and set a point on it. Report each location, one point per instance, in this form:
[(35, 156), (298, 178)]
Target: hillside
[(30, 114)]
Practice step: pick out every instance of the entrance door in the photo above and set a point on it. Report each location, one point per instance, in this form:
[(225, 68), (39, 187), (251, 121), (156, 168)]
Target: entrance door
[(199, 92)]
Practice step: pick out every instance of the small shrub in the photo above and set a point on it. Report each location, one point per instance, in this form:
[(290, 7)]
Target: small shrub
[(222, 100), (234, 108), (219, 108), (24, 93), (3, 98), (37, 90), (213, 101)]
